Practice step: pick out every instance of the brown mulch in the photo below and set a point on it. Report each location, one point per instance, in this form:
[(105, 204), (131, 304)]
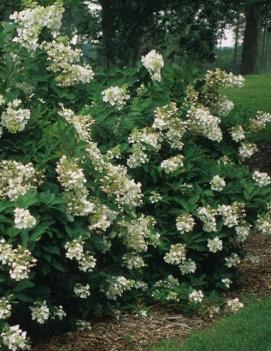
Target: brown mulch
[(261, 160)]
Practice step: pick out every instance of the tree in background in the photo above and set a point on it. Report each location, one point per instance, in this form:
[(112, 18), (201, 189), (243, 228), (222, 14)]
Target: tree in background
[(257, 14)]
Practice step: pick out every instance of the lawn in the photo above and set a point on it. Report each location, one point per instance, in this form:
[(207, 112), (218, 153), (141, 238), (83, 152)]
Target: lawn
[(247, 330), (254, 96)]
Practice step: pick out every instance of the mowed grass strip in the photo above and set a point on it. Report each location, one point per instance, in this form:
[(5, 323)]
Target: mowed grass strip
[(254, 96), (247, 330)]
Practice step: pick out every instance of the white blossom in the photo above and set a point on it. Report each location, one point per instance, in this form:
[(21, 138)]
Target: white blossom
[(215, 245), (116, 96), (153, 62), (23, 219), (15, 339), (217, 183), (261, 178), (196, 296), (40, 312)]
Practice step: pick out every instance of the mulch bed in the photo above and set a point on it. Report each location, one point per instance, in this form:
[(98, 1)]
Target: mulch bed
[(136, 333)]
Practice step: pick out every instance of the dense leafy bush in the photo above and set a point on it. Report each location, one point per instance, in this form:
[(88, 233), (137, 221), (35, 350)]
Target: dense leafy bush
[(114, 188)]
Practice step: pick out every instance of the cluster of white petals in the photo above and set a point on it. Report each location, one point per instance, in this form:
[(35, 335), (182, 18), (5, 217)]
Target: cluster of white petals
[(75, 250), (40, 312), (153, 62), (116, 96), (261, 178), (31, 21), (73, 180), (15, 339), (215, 244), (16, 179), (65, 62), (117, 286), (203, 122), (217, 183), (196, 296), (23, 219), (15, 118), (19, 260), (231, 214)]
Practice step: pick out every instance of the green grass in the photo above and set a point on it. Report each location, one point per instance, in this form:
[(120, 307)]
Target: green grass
[(247, 330), (254, 96)]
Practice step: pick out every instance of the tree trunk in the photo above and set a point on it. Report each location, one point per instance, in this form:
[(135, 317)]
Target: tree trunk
[(251, 39), (236, 43)]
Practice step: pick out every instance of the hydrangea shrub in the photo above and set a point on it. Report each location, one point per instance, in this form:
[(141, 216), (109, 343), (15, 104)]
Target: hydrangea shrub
[(112, 193)]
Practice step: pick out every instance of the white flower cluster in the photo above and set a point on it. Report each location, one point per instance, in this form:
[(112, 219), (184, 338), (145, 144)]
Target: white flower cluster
[(261, 178), (101, 218), (263, 223), (208, 216), (2, 100), (133, 261), (117, 286), (166, 120), (31, 21), (155, 197), (65, 62), (203, 122), (260, 121), (15, 339), (234, 305), (23, 219), (219, 78), (233, 260), (227, 282), (15, 118), (5, 308), (172, 164), (82, 124), (94, 8), (140, 138), (196, 296), (58, 312), (231, 214), (72, 179), (185, 223), (116, 96), (40, 312), (153, 62), (237, 133), (75, 250), (217, 183), (116, 183), (176, 254), (138, 233), (19, 260), (82, 291), (246, 150), (242, 231), (16, 179), (215, 245), (224, 106), (188, 267)]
